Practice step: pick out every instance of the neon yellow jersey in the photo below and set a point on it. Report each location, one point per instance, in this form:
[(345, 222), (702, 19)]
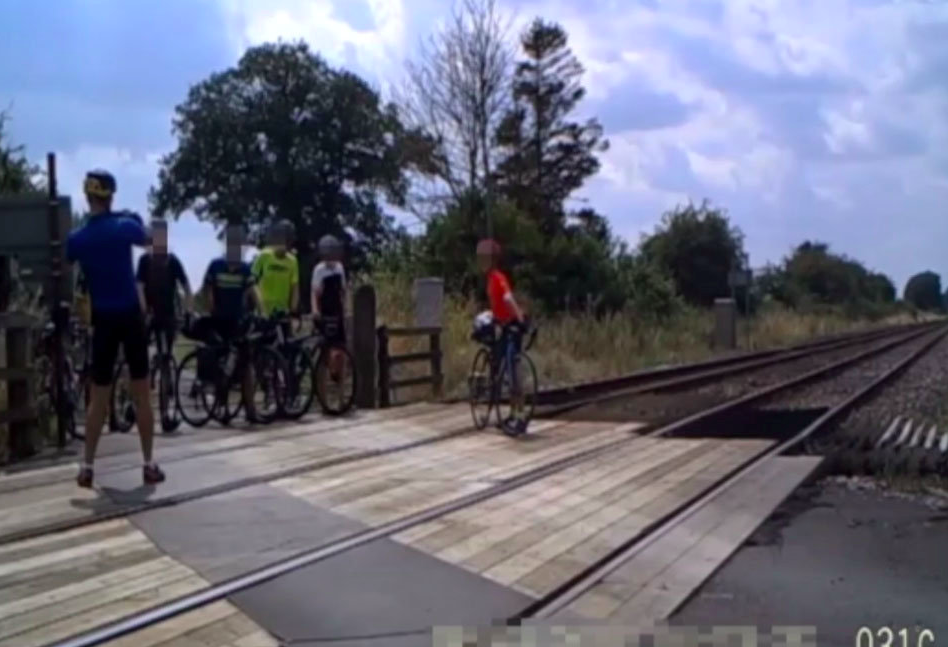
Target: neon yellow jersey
[(277, 279)]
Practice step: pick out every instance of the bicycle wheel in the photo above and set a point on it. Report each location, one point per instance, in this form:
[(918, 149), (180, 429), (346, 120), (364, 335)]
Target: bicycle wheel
[(335, 390), (194, 398), (268, 387), (479, 391), (122, 410), (301, 386), (526, 380), (163, 379)]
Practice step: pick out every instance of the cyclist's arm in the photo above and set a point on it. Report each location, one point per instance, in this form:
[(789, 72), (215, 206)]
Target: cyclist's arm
[(207, 288), (509, 298), (135, 231), (182, 280), (294, 289), (316, 290), (140, 275)]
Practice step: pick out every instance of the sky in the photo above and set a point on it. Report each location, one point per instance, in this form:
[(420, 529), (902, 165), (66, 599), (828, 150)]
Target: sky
[(822, 120)]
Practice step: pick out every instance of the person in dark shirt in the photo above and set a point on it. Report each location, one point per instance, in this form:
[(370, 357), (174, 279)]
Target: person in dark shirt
[(160, 275), (229, 286), (103, 249), (328, 287)]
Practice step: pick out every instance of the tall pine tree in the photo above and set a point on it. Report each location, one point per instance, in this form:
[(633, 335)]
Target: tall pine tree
[(546, 157)]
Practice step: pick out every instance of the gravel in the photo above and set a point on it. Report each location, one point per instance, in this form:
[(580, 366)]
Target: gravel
[(665, 406), (832, 390), (900, 432)]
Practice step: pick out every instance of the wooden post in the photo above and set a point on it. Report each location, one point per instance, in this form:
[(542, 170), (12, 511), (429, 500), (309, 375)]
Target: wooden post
[(384, 369), (437, 376), (725, 322), (18, 392), (363, 345), (6, 294)]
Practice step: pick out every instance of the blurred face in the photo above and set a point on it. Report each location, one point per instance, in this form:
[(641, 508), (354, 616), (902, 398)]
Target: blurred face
[(485, 262), (234, 238), (159, 238), (278, 241)]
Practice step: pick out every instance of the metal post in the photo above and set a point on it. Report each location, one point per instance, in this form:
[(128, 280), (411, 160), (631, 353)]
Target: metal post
[(54, 298)]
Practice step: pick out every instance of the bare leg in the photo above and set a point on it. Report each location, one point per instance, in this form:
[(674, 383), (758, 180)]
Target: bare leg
[(144, 417), (95, 419)]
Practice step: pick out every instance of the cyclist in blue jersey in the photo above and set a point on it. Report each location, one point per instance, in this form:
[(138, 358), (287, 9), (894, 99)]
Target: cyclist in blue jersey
[(229, 286), (103, 249)]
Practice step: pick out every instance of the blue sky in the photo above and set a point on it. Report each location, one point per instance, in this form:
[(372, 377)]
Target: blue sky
[(805, 119)]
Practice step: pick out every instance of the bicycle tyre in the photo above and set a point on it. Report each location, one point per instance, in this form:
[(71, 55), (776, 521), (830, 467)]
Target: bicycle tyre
[(121, 412), (164, 377), (269, 372), (528, 372), (190, 362), (480, 380), (298, 400), (322, 363)]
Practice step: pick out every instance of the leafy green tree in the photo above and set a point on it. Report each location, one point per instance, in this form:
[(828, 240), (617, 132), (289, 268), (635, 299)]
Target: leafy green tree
[(546, 156), (813, 274), (283, 135), (17, 175), (697, 247), (924, 291)]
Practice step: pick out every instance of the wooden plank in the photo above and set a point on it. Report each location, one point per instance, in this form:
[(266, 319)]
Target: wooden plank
[(650, 586), (63, 627), (412, 331), (162, 633), (137, 583), (408, 358), (412, 381), (20, 414)]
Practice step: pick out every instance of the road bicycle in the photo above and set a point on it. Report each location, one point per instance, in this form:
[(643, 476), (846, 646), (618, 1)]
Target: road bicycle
[(491, 383), (220, 378)]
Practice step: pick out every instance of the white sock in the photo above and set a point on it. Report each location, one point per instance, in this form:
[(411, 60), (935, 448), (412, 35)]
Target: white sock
[(85, 466)]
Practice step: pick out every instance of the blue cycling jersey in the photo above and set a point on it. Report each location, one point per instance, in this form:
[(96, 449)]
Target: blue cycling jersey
[(103, 249), (229, 283)]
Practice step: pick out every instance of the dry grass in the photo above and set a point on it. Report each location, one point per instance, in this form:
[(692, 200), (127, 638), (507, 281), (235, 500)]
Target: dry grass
[(579, 348)]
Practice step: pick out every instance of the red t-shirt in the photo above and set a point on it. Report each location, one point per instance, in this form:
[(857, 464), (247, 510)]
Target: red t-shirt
[(498, 287)]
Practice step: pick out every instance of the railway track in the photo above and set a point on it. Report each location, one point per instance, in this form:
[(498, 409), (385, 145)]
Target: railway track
[(890, 357), (557, 403)]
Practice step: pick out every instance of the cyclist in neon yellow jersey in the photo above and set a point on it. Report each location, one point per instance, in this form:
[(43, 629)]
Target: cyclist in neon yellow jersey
[(277, 273)]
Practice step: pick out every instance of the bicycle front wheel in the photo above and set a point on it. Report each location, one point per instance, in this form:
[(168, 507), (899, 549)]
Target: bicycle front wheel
[(193, 397), (336, 380), (479, 389), (164, 381), (518, 389), (301, 387), (269, 386)]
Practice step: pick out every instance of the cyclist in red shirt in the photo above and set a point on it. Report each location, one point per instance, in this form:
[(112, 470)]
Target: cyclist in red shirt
[(508, 314)]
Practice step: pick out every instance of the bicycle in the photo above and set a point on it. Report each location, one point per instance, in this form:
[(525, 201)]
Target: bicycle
[(490, 380), (324, 330), (298, 398), (162, 370), (74, 382), (220, 369)]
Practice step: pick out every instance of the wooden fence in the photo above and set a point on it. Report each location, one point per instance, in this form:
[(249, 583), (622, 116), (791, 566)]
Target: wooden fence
[(19, 418), (386, 361)]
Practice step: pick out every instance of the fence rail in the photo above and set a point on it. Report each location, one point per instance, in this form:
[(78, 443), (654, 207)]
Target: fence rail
[(386, 361)]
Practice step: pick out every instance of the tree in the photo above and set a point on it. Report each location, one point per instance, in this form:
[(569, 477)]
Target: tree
[(814, 274), (17, 175), (456, 92), (924, 291), (546, 157), (283, 135), (697, 247)]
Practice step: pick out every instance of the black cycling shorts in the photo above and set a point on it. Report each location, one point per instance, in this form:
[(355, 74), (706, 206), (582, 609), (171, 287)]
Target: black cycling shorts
[(333, 330), (111, 329)]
